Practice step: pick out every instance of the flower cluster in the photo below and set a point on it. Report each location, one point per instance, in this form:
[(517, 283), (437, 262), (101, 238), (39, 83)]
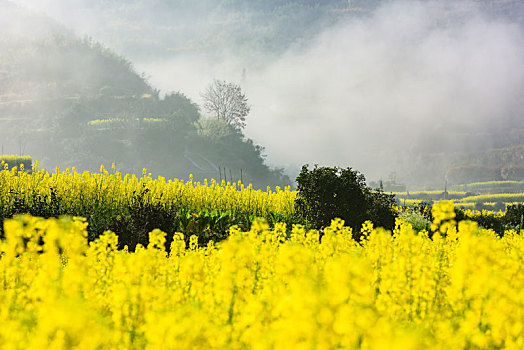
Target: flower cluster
[(262, 288), (108, 196)]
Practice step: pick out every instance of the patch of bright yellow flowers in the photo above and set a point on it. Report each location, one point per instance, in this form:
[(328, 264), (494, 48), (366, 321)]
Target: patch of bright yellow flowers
[(108, 192), (461, 288)]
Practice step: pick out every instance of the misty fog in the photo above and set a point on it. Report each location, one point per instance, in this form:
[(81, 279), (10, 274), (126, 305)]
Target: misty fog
[(363, 93)]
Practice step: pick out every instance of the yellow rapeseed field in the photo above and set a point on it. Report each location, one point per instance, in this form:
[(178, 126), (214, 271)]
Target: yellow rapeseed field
[(106, 193), (460, 288)]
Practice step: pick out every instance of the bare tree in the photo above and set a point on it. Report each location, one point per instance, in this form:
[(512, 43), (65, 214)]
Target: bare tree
[(227, 102)]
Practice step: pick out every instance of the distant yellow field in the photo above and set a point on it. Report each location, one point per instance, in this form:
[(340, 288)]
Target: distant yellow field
[(415, 193), (500, 197)]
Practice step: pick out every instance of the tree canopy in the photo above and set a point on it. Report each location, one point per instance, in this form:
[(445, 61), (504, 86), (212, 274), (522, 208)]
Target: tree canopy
[(226, 102)]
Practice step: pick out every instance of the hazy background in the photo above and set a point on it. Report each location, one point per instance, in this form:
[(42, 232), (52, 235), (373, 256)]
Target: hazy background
[(404, 87)]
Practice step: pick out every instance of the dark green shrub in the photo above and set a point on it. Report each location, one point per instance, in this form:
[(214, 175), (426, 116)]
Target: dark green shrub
[(486, 219), (379, 208), (514, 217), (326, 193)]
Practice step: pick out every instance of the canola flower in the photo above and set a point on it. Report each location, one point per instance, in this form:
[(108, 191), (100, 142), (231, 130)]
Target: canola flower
[(11, 161), (460, 287), (491, 185), (498, 197), (13, 158), (108, 193), (124, 121), (416, 193)]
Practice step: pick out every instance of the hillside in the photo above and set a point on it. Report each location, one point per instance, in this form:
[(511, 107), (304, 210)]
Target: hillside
[(45, 69), (270, 40), (143, 29), (162, 28), (57, 89), (255, 34)]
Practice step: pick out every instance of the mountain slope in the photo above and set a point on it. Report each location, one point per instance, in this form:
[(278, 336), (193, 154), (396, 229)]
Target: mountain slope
[(73, 102)]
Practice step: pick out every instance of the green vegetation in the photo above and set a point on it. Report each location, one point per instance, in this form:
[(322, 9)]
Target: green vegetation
[(499, 197), (325, 193), (416, 219), (73, 102), (251, 27), (134, 206), (489, 195), (493, 186), (511, 218), (172, 141), (145, 29)]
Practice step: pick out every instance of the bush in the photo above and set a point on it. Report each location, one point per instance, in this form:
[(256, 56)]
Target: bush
[(417, 220), (514, 217), (487, 219), (326, 193)]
